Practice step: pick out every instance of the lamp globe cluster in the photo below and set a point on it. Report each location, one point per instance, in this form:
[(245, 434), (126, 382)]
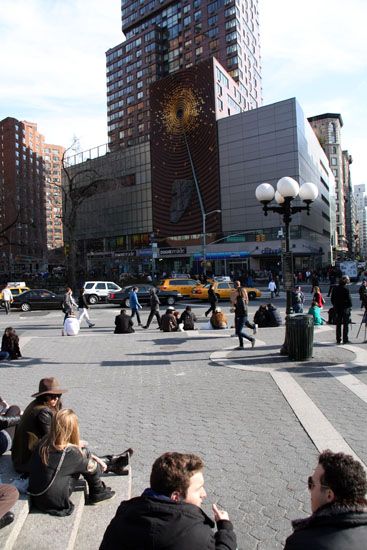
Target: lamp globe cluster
[(287, 188)]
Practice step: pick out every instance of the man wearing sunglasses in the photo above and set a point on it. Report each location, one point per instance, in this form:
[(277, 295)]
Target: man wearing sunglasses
[(338, 489)]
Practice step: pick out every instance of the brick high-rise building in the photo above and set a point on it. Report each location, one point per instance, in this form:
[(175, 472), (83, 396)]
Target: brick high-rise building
[(23, 190), (163, 37)]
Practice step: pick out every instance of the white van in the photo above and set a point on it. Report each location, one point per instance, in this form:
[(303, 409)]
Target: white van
[(97, 291)]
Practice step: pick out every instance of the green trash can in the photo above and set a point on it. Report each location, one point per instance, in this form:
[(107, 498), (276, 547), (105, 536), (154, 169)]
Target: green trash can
[(300, 336)]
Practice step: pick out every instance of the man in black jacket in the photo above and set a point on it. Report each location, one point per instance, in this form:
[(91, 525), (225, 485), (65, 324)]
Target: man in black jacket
[(123, 323), (154, 307), (342, 302), (168, 515), (338, 489)]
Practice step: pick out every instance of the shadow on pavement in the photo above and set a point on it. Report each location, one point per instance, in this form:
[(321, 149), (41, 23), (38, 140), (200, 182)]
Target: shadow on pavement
[(157, 362)]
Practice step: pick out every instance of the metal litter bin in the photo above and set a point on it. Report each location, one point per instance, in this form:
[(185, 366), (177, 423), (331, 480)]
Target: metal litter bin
[(300, 336)]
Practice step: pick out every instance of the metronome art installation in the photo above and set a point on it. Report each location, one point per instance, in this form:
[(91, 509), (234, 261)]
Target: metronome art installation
[(183, 108)]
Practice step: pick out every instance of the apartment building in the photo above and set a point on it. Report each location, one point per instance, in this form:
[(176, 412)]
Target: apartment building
[(163, 37)]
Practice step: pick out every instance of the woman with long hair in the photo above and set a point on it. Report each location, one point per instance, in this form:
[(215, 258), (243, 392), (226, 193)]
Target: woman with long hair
[(56, 464), (35, 422), (10, 343), (241, 319)]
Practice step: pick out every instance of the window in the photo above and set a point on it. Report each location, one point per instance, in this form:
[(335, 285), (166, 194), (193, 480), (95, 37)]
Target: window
[(334, 161), (101, 286)]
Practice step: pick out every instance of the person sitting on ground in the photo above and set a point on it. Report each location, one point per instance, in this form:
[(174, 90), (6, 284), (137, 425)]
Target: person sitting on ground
[(57, 462), (169, 321), (315, 311), (123, 323), (261, 317), (338, 488), (71, 325), (9, 418), (35, 422), (273, 316), (218, 320), (8, 497), (168, 515), (187, 319), (10, 343)]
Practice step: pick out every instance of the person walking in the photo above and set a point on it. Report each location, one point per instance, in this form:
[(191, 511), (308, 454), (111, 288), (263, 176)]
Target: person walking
[(7, 299), (83, 306), (272, 287), (154, 307), (134, 304), (241, 319), (342, 302), (69, 305), (213, 300)]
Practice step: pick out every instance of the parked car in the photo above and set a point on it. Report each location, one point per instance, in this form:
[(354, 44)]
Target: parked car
[(222, 290), (16, 289), (39, 298), (182, 285), (122, 297), (97, 291)]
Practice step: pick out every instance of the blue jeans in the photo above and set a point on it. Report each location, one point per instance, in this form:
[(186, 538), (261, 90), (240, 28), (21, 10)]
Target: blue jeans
[(4, 355), (240, 322)]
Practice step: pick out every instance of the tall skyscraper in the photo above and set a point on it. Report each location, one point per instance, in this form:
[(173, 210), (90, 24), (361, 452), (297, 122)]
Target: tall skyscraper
[(24, 191), (52, 155), (163, 37)]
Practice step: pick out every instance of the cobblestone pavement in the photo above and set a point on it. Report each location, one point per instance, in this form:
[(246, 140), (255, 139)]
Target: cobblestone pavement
[(158, 392)]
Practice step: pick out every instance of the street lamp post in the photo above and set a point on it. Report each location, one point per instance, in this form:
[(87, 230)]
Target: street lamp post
[(287, 190), (204, 215)]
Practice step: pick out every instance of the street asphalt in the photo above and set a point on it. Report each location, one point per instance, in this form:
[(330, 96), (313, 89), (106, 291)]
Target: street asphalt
[(257, 419)]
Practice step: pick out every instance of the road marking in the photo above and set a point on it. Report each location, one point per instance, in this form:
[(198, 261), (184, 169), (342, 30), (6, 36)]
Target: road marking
[(315, 423)]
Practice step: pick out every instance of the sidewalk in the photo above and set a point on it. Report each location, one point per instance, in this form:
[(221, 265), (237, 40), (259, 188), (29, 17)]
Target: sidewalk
[(158, 391)]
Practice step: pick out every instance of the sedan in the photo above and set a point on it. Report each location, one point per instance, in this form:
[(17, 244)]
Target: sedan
[(168, 297), (39, 298), (223, 291)]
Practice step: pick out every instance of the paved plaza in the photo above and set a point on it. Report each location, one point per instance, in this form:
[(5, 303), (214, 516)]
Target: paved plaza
[(257, 419)]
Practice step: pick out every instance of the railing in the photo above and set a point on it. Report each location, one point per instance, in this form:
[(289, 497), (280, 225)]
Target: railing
[(89, 154)]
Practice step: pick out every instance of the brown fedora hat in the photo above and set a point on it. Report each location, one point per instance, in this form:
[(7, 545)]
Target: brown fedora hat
[(49, 386)]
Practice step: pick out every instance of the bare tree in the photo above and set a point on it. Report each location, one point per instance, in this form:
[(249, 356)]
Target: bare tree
[(76, 188)]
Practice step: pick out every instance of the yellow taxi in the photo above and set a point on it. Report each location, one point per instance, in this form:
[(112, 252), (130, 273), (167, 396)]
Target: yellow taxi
[(182, 285), (15, 290), (223, 290)]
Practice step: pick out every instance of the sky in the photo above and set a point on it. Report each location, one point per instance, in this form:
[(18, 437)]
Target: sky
[(52, 64)]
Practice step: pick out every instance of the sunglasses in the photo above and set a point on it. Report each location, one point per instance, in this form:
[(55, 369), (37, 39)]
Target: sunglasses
[(311, 484), (53, 396)]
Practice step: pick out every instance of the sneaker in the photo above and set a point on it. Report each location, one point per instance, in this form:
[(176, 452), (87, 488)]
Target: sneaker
[(92, 325), (105, 493), (7, 519), (239, 347), (255, 329), (145, 326), (253, 341)]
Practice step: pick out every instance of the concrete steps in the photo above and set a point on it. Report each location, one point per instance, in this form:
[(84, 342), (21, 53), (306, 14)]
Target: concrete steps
[(82, 530)]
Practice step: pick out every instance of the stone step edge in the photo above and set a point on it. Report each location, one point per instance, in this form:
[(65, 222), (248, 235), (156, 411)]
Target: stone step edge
[(52, 531), (9, 534)]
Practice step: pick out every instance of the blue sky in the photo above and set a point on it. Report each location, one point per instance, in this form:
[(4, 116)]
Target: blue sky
[(53, 64)]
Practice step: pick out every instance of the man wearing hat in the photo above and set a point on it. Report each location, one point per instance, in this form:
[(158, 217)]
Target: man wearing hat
[(35, 422), (169, 321)]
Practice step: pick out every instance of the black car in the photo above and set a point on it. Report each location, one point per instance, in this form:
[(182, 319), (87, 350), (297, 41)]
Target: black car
[(39, 298), (121, 297)]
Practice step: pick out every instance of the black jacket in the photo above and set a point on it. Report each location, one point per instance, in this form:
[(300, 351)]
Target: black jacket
[(273, 317), (149, 523), (188, 319), (154, 300), (11, 345), (83, 302), (331, 527), (124, 324), (212, 297), (340, 298)]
